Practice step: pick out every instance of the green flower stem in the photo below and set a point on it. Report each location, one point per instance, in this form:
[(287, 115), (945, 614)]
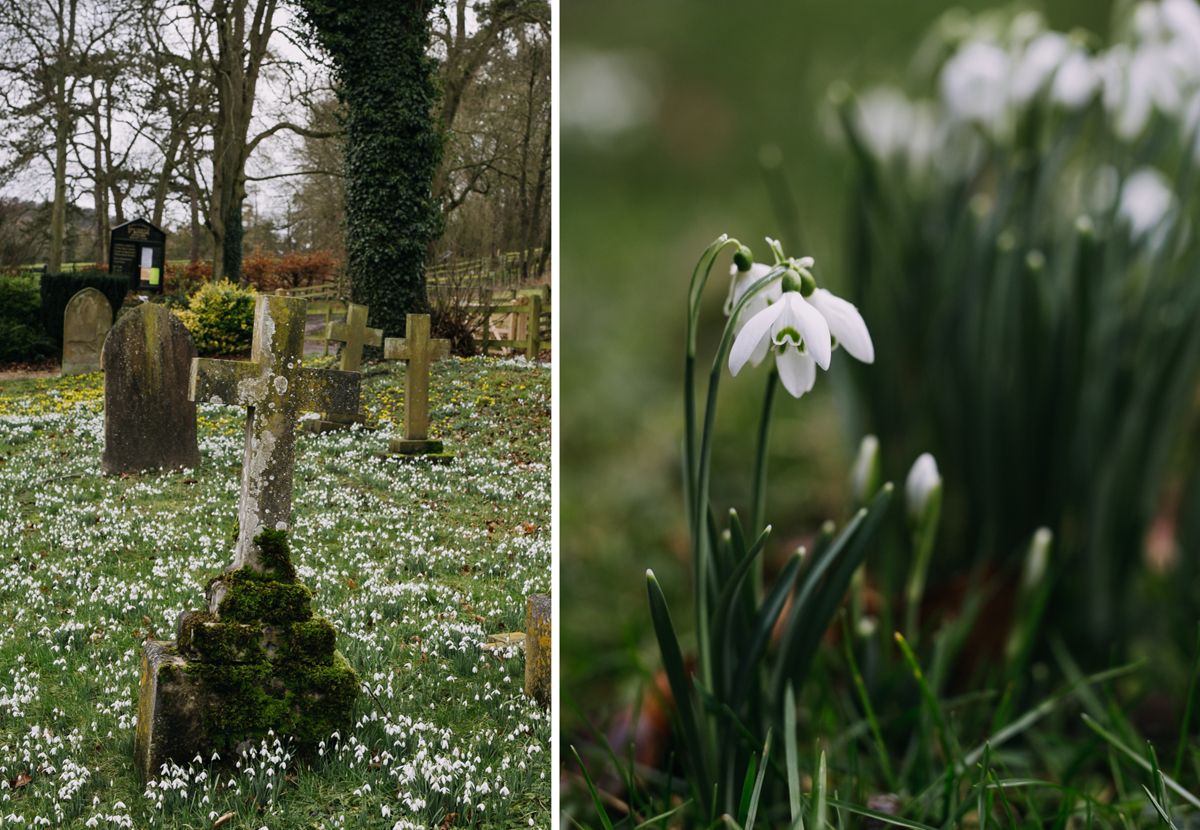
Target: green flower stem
[(923, 538), (700, 463), (696, 505), (759, 503)]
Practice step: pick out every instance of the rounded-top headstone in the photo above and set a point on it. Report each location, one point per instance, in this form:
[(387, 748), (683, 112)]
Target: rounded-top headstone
[(86, 322), (148, 420)]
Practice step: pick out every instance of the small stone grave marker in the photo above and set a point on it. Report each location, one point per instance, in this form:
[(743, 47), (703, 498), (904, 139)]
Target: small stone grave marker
[(225, 678), (86, 322), (149, 422), (353, 335), (538, 648), (418, 351)]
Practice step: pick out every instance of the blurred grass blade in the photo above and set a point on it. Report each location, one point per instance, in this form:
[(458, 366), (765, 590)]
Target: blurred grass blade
[(1042, 709), (949, 741), (816, 819), (592, 789), (793, 756), (884, 818), (1116, 743), (1187, 712), (662, 816), (865, 699), (758, 782), (1158, 808), (747, 790), (668, 644)]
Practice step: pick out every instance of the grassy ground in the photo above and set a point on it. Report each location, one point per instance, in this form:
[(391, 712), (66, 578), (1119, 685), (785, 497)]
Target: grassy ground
[(414, 564)]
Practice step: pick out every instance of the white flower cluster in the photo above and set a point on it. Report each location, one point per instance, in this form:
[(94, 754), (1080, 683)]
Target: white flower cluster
[(1001, 67)]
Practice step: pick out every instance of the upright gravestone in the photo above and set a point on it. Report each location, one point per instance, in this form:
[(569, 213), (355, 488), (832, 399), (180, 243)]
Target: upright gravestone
[(418, 351), (86, 322), (256, 659), (353, 334), (149, 421)]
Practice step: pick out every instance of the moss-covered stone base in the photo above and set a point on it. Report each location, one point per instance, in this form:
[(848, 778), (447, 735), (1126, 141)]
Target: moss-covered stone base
[(256, 660)]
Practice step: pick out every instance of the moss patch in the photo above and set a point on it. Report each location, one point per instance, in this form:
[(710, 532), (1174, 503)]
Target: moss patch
[(275, 554), (219, 641), (255, 597), (310, 642), (302, 700)]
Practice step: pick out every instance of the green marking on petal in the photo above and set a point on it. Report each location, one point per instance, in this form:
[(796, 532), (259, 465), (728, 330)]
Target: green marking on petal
[(788, 335)]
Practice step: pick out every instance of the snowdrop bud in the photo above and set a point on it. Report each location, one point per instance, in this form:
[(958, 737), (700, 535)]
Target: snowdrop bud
[(1037, 559), (807, 284), (864, 475), (922, 479), (790, 281), (743, 258)]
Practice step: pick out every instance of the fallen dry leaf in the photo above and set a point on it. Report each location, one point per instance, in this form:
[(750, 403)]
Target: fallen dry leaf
[(225, 819)]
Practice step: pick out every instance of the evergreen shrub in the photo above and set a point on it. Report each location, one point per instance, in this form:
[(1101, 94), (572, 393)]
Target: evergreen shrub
[(220, 318), (22, 336)]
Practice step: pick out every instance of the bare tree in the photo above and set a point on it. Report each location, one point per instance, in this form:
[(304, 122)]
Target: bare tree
[(47, 48)]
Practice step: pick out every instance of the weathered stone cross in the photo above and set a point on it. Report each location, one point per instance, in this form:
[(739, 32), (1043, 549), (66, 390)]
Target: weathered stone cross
[(275, 388), (418, 350), (353, 334)]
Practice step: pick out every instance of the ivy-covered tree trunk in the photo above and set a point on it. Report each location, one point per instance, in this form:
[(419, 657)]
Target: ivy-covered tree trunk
[(387, 82)]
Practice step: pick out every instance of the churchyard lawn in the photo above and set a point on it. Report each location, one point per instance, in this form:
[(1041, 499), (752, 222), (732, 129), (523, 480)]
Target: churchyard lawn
[(414, 563)]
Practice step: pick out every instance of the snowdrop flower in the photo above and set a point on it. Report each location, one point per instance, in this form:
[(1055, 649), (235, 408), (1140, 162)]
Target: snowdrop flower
[(1075, 82), (1145, 200), (922, 479), (1044, 54), (803, 322), (974, 84), (799, 333)]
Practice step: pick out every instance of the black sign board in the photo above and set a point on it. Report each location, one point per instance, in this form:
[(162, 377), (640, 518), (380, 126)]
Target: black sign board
[(138, 250)]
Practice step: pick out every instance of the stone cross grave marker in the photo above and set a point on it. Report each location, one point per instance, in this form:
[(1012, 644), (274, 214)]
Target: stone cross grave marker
[(353, 334), (149, 421), (418, 351), (223, 679), (86, 322), (275, 388)]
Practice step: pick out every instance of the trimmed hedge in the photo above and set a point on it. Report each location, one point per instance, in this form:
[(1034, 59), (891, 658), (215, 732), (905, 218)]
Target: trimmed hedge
[(22, 337), (58, 289)]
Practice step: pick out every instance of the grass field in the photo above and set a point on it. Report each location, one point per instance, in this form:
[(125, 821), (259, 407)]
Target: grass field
[(414, 564)]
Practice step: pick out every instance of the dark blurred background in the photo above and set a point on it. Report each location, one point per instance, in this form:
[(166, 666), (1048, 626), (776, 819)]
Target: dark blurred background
[(666, 110)]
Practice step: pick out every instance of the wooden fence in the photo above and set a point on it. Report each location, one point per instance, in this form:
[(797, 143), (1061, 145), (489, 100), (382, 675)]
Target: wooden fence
[(528, 303)]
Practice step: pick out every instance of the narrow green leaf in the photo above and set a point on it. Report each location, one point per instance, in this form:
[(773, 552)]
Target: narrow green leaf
[(761, 629), (1187, 712), (662, 816), (747, 790), (1158, 807), (793, 757), (668, 644), (758, 782), (816, 819), (865, 699), (1115, 742), (592, 788), (949, 741), (886, 818)]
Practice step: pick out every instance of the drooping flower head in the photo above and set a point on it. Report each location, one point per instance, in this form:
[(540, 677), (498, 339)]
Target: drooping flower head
[(802, 322)]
